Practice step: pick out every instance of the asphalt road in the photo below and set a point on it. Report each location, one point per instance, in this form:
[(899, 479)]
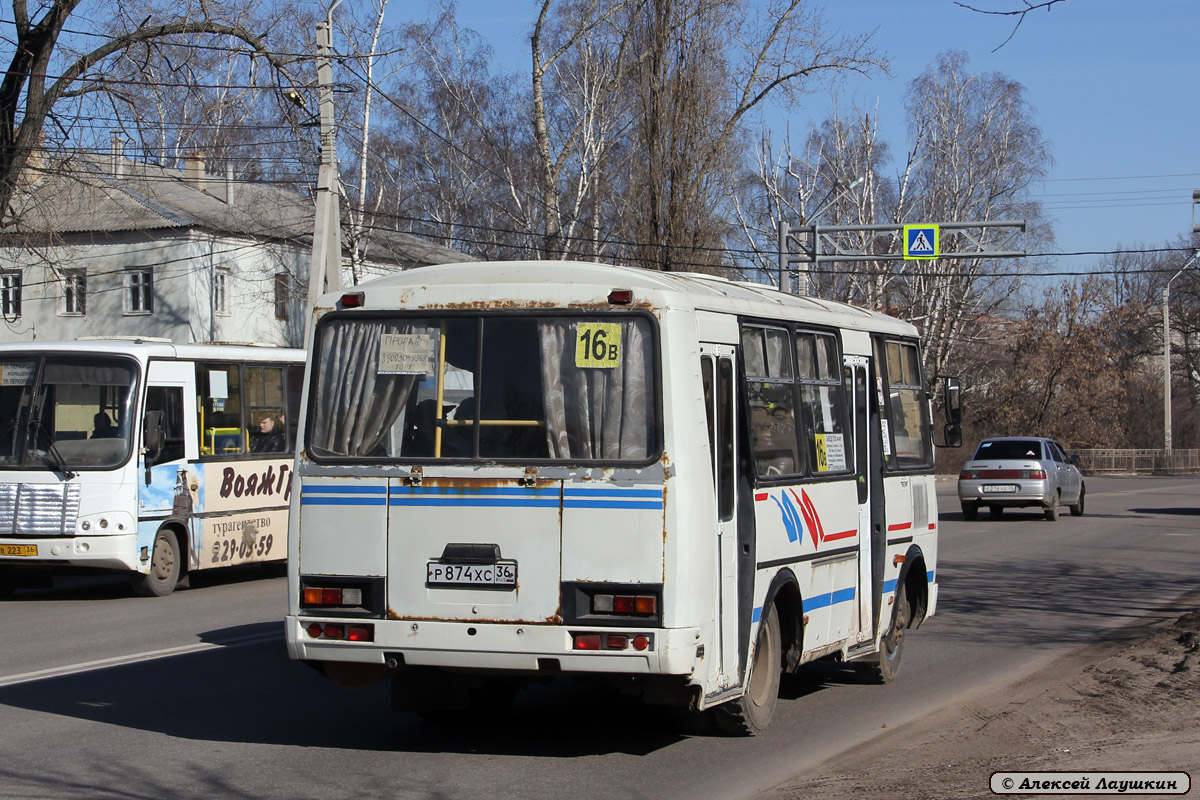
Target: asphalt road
[(103, 695)]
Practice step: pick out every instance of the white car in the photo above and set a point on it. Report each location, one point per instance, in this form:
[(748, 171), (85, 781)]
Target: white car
[(1019, 472)]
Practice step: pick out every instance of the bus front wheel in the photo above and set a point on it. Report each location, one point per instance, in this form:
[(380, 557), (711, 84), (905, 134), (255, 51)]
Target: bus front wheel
[(751, 713), (884, 666), (165, 567)]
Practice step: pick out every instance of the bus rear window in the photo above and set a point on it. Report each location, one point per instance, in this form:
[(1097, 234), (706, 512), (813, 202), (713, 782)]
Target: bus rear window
[(494, 388)]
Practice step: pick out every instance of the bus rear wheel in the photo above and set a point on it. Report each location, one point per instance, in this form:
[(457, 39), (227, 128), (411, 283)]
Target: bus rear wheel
[(165, 567), (750, 714)]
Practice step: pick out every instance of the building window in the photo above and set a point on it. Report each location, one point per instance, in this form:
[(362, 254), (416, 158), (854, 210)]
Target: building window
[(73, 299), (139, 291), (10, 294), (221, 280), (283, 295)]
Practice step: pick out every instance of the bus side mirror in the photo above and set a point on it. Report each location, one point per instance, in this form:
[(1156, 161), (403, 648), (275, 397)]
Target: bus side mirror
[(952, 402)]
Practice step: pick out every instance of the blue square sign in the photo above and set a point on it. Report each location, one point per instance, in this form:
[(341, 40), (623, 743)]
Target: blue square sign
[(921, 241)]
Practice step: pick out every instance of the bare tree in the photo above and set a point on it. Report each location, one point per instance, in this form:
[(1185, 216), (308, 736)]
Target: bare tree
[(706, 66), (976, 157), (42, 72)]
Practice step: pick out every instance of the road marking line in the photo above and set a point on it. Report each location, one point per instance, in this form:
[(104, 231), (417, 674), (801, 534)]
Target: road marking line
[(151, 655)]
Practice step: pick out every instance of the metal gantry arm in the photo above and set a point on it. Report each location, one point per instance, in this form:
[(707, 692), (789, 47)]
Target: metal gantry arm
[(813, 244)]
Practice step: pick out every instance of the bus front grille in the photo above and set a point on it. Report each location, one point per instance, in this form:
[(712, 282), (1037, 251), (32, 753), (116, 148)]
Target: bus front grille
[(32, 509)]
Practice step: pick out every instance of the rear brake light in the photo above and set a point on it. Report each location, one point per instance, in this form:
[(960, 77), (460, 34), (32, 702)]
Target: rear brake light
[(610, 641), (1037, 474), (587, 641), (966, 475), (339, 632)]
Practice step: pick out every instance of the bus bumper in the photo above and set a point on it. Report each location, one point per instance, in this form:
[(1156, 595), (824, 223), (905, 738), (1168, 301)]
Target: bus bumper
[(104, 552), (511, 648)]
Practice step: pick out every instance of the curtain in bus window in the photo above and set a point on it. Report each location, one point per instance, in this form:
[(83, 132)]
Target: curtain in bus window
[(911, 430), (598, 400), (770, 387), (355, 404)]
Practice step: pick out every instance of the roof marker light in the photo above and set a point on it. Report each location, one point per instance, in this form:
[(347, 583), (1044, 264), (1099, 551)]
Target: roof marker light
[(352, 300), (620, 297)]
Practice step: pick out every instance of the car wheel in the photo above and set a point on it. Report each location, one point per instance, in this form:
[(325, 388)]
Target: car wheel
[(996, 511), (1077, 507), (1052, 510), (970, 511)]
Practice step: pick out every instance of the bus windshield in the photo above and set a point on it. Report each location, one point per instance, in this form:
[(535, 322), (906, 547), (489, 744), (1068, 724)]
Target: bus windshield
[(65, 412), (485, 387)]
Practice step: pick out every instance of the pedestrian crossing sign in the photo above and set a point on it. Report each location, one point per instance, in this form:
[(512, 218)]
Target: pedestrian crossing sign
[(921, 241)]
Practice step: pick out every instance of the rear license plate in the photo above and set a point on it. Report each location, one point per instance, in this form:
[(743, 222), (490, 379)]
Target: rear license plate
[(998, 488), (25, 550), (441, 573)]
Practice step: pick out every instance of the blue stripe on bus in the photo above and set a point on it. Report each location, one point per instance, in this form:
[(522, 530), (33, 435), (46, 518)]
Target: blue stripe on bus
[(649, 505), (463, 490), (824, 600), (476, 502), (310, 488), (343, 501), (890, 586), (652, 493)]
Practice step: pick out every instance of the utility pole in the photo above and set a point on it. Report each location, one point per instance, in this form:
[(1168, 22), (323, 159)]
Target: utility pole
[(325, 270), (1167, 355)]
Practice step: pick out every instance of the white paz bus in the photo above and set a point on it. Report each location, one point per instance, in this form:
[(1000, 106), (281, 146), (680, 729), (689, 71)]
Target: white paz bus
[(689, 485), (143, 456)]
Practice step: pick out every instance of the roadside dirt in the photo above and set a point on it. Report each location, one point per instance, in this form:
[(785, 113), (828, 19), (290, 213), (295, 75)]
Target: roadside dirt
[(1128, 704)]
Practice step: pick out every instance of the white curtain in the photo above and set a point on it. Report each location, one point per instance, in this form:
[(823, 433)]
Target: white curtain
[(597, 413), (355, 405)]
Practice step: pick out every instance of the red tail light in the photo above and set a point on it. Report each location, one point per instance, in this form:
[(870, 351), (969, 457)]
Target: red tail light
[(587, 641), (966, 475), (1037, 474)]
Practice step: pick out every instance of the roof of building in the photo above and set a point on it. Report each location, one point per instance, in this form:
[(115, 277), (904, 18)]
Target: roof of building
[(89, 193)]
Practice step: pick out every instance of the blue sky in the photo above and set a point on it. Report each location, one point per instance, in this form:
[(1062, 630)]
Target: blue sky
[(1114, 84)]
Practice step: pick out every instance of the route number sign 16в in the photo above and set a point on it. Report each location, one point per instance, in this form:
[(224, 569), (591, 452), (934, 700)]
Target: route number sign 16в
[(598, 345)]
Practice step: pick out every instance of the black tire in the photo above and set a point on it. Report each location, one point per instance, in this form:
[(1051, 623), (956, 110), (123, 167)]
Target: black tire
[(884, 666), (1052, 510), (750, 714), (1077, 507), (165, 567), (996, 511), (970, 511)]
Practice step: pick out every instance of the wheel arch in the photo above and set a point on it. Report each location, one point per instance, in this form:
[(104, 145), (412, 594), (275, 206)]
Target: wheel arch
[(784, 594), (914, 582)]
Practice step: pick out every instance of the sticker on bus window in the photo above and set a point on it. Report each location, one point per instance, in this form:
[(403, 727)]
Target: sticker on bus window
[(19, 374), (407, 354), (831, 452), (887, 439), (598, 345)]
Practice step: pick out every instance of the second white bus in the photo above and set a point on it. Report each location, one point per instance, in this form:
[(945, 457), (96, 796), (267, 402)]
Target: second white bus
[(685, 484), (143, 456)]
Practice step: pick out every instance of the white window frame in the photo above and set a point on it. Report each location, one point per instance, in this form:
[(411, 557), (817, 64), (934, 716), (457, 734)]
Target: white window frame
[(222, 278), (11, 290), (139, 291), (72, 301)]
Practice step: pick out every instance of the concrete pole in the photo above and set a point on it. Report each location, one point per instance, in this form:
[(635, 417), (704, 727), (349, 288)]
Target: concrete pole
[(325, 269)]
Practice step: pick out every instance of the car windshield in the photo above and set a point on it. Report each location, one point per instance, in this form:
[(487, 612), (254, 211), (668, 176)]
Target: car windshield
[(62, 412), (1010, 449)]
